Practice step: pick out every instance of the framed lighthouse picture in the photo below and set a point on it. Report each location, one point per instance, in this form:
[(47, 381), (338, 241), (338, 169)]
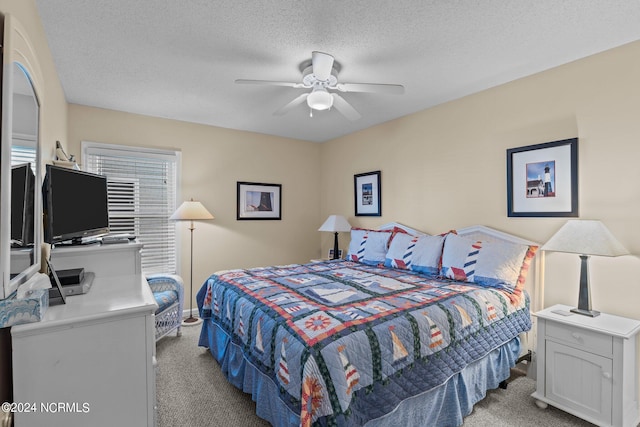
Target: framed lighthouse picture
[(542, 180), (367, 194)]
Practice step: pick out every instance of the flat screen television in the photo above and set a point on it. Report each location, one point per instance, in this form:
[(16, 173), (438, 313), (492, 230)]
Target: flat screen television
[(75, 205), (23, 182)]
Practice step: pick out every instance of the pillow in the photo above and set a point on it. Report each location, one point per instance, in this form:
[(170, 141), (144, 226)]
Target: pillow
[(368, 246), (416, 253), (499, 265), (394, 231)]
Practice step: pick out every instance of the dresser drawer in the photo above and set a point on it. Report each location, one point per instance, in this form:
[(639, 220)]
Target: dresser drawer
[(580, 338)]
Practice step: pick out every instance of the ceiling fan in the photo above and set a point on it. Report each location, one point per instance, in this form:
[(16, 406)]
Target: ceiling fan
[(321, 76)]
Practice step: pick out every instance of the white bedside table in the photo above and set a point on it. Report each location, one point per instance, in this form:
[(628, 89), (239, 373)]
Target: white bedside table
[(587, 366)]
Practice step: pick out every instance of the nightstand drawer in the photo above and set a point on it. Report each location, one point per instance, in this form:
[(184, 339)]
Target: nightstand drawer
[(581, 338)]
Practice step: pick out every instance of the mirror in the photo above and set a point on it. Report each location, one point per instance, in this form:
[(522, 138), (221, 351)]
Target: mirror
[(20, 230), (24, 180), (24, 165)]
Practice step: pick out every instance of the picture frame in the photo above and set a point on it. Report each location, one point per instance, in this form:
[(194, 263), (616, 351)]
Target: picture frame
[(330, 254), (258, 201), (367, 194), (56, 293), (542, 180)]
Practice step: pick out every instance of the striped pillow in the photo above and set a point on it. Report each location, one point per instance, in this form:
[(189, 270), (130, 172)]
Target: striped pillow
[(368, 246), (416, 253), (499, 265)]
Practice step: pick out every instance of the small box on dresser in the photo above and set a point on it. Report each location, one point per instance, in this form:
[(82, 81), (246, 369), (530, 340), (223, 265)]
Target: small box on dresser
[(588, 366)]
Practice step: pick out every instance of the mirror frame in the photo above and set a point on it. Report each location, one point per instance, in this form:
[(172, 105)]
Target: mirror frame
[(17, 50)]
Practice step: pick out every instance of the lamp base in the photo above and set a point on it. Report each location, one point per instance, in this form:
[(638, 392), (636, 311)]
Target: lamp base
[(335, 247), (590, 313), (191, 321)]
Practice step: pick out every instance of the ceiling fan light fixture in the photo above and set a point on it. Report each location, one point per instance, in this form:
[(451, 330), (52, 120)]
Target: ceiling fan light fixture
[(320, 75), (320, 100)]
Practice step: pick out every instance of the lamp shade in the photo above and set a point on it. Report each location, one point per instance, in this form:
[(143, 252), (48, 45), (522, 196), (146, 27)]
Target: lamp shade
[(191, 211), (585, 237), (335, 223)]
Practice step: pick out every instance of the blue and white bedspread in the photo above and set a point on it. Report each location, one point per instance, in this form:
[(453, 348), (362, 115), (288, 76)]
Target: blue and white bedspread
[(346, 342)]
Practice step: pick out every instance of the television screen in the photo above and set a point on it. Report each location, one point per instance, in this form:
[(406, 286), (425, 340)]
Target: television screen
[(75, 205), (22, 198)]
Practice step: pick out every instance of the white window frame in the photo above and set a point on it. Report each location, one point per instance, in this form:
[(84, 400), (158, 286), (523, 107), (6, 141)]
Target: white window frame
[(92, 148)]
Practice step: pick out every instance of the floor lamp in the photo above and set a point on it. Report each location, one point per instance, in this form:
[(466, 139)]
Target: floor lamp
[(191, 211)]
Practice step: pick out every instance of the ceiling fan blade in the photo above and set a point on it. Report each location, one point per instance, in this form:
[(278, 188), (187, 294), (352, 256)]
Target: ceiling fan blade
[(269, 82), (322, 64), (345, 108), (286, 108), (370, 87)]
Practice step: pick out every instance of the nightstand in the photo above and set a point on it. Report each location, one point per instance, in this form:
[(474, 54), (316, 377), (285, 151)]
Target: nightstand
[(587, 366)]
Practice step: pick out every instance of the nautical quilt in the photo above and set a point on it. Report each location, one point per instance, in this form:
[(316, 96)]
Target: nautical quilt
[(347, 342)]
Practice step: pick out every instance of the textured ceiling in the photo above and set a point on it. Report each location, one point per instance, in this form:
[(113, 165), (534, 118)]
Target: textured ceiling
[(179, 59)]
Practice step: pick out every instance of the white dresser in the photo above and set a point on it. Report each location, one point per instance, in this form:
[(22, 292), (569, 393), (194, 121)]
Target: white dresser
[(90, 361), (588, 366)]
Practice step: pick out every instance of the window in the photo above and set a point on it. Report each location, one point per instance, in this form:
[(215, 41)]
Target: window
[(141, 186), (23, 150)]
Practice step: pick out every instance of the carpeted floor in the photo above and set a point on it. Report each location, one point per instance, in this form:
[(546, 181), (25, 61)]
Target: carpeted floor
[(192, 392)]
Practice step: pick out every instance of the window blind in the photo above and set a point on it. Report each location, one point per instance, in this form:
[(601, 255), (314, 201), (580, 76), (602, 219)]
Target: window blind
[(141, 187), (23, 151)]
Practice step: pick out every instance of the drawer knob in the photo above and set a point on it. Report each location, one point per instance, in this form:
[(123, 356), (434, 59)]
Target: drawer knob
[(576, 336), (607, 375)]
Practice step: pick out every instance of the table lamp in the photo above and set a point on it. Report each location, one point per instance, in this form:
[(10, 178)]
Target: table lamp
[(191, 211), (585, 238), (335, 224)]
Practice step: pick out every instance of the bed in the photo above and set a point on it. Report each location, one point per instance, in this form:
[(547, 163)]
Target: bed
[(411, 329)]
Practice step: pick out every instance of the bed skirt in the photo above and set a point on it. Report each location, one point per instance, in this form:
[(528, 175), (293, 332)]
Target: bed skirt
[(444, 405)]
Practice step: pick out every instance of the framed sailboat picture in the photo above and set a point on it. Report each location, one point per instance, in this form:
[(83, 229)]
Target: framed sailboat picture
[(259, 201)]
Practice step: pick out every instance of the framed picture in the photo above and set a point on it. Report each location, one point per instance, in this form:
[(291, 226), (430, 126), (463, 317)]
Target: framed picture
[(367, 194), (259, 201), (542, 180), (330, 254)]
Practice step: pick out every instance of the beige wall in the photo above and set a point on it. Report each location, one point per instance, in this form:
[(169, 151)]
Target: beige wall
[(441, 168), (53, 105), (53, 112), (445, 167), (213, 160)]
